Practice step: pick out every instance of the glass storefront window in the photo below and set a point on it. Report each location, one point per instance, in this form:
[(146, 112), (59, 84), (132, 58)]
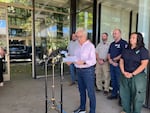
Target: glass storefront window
[(85, 16), (3, 27), (54, 29), (52, 26), (114, 18), (51, 31), (3, 40), (85, 19), (23, 2), (19, 25)]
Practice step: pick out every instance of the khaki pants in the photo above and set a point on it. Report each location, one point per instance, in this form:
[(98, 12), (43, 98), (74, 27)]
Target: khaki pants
[(103, 74)]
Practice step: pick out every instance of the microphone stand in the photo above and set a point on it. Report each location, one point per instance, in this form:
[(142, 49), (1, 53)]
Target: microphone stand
[(53, 100), (61, 85), (46, 97)]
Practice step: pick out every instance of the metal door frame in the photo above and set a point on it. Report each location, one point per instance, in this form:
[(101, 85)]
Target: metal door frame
[(7, 73)]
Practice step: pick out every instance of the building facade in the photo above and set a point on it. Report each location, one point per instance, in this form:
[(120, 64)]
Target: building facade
[(48, 24)]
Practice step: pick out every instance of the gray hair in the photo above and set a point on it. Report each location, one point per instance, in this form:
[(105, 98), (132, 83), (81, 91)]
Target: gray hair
[(83, 30)]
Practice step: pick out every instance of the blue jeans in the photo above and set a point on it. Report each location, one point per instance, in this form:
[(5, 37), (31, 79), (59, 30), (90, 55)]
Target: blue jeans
[(72, 72), (115, 79), (86, 82)]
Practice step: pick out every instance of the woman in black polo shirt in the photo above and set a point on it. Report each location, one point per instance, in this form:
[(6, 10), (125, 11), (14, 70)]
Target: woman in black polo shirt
[(133, 62)]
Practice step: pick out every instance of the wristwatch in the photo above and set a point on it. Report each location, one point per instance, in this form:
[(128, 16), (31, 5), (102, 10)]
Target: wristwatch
[(84, 63), (133, 74)]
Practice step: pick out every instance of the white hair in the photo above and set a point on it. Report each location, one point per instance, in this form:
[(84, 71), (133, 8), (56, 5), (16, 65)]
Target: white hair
[(83, 30)]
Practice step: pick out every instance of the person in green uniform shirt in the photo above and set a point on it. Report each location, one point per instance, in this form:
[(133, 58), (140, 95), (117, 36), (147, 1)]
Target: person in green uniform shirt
[(134, 60)]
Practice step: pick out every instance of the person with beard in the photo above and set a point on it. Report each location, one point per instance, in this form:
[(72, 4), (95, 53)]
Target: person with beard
[(102, 65)]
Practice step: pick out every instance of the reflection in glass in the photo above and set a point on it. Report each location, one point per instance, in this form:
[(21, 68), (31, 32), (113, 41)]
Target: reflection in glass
[(52, 32), (85, 20)]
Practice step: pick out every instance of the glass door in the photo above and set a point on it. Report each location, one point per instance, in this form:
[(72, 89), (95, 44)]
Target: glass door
[(51, 34), (4, 41)]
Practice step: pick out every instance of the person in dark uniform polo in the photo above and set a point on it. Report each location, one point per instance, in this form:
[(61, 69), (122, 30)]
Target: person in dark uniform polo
[(133, 62), (114, 55)]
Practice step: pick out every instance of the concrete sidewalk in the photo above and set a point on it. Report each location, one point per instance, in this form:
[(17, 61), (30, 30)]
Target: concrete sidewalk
[(26, 95)]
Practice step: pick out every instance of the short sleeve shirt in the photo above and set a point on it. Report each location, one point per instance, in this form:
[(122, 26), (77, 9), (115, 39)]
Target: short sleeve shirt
[(102, 50), (132, 58), (116, 48)]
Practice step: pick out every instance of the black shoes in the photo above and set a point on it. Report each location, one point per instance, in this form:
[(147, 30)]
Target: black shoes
[(98, 90), (106, 93), (119, 101), (79, 111), (72, 83), (112, 97)]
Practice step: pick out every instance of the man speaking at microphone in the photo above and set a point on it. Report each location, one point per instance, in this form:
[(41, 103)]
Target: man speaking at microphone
[(85, 70)]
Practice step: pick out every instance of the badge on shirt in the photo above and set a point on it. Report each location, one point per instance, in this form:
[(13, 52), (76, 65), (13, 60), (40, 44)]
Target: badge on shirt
[(126, 45), (117, 45), (137, 51)]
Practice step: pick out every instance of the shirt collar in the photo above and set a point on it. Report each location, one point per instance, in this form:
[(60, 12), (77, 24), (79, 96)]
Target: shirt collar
[(87, 41)]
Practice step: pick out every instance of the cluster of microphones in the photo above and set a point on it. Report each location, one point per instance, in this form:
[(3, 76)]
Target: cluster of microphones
[(57, 55)]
